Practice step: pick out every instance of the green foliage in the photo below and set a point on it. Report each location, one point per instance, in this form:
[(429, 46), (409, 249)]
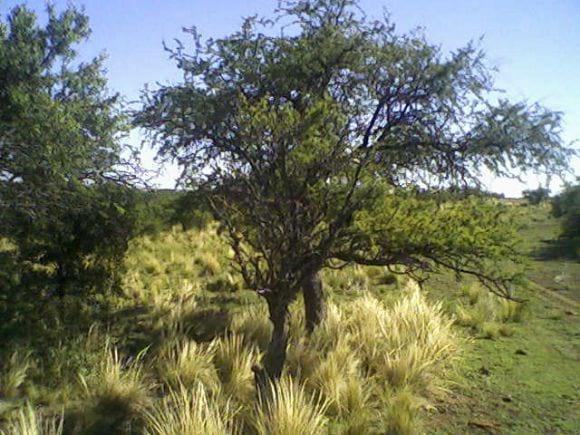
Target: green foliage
[(486, 314), (470, 235), (63, 196), (116, 392), (566, 206), (287, 136), (536, 196)]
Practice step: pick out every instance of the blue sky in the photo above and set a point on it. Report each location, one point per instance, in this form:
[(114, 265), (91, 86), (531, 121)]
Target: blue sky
[(534, 43)]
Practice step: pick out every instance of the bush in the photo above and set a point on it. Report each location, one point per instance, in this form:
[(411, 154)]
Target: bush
[(567, 207), (536, 196), (64, 196)]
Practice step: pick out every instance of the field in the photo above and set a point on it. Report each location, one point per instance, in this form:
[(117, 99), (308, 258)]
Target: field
[(173, 352)]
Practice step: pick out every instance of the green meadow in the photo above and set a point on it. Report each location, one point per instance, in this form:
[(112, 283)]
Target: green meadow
[(172, 352)]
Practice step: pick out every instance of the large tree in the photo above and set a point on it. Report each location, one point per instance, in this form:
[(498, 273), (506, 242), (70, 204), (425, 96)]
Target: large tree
[(321, 139), (63, 195)]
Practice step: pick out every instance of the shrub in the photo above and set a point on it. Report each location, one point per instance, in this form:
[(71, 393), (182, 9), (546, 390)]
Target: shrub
[(567, 207), (536, 196), (65, 190)]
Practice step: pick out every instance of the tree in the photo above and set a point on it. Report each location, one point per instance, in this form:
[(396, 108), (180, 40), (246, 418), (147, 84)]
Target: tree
[(315, 135), (536, 196), (65, 198), (566, 206)]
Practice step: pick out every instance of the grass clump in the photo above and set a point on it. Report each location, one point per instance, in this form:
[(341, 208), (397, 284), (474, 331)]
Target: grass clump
[(401, 417), (193, 411), (289, 410), (337, 379), (406, 344), (233, 360), (252, 323), (29, 421), (185, 362), (486, 314), (14, 375), (116, 393)]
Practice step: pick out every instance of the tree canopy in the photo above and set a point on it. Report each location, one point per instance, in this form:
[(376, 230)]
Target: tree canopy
[(62, 177), (321, 138)]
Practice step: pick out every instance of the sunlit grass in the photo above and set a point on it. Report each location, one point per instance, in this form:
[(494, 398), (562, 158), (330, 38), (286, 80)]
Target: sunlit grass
[(233, 360), (190, 412), (116, 392), (187, 363), (486, 314), (289, 410), (29, 421), (204, 335)]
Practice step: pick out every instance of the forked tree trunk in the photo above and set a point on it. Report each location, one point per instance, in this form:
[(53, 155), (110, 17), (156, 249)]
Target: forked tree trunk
[(275, 356), (314, 301)]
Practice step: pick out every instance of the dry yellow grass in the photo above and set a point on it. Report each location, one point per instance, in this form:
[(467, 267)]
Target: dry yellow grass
[(191, 412), (29, 421), (289, 410)]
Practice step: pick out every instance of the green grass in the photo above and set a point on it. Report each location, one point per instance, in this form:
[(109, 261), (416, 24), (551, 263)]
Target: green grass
[(173, 353), (527, 383)]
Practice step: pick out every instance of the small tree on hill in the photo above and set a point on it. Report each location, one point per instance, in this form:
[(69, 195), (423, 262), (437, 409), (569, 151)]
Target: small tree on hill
[(310, 137), (64, 199)]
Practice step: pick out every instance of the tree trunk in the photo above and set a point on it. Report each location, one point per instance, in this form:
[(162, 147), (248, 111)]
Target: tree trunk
[(275, 356), (314, 301), (61, 280)]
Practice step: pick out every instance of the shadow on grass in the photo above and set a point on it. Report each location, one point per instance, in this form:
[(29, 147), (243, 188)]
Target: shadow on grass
[(557, 249)]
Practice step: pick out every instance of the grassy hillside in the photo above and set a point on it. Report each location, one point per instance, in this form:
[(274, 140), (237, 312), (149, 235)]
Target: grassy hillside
[(173, 352), (527, 382)]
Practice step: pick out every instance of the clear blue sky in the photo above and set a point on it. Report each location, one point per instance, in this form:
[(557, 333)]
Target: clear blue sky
[(534, 43)]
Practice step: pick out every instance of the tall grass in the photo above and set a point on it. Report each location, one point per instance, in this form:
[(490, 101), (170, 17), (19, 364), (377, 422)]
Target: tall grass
[(365, 367), (233, 361), (289, 410), (29, 421), (190, 412), (14, 374), (253, 324), (337, 379), (406, 344), (116, 392), (185, 362), (486, 314), (401, 417)]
